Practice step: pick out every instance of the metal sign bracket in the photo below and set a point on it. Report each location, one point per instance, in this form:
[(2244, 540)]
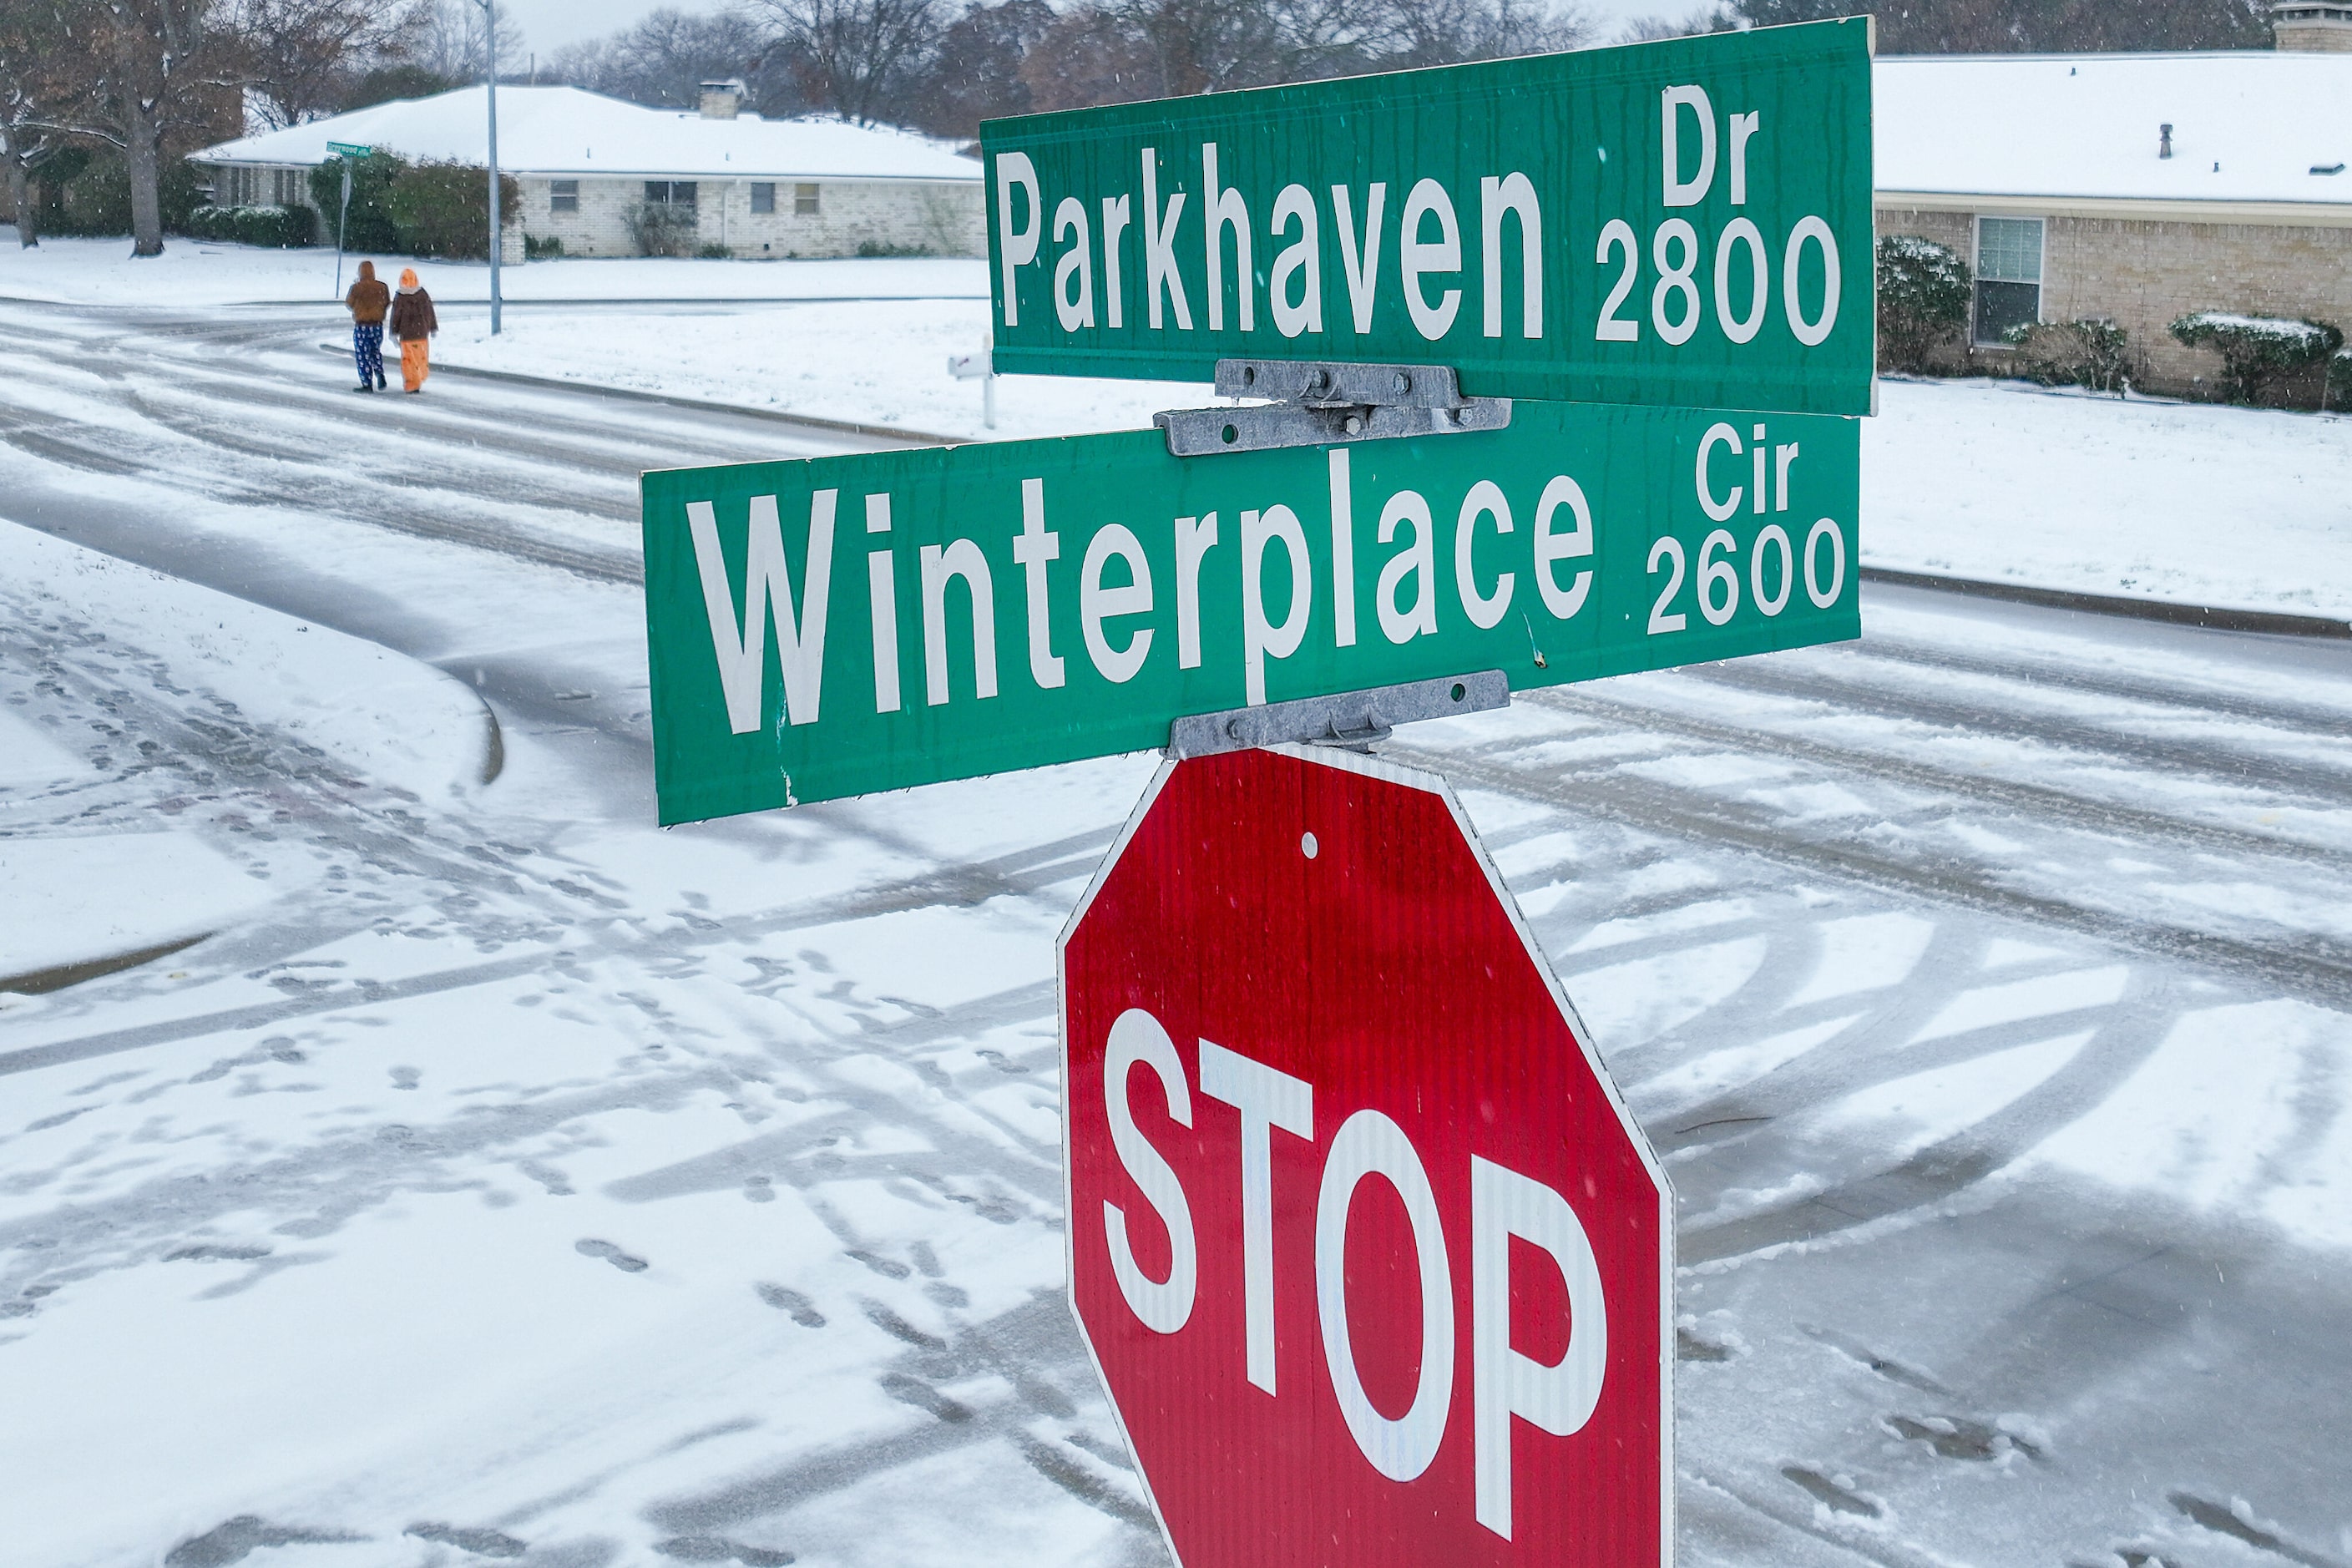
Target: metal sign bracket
[(1353, 719), (1317, 403)]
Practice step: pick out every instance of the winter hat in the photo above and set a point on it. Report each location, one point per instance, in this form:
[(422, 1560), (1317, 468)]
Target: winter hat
[(408, 280)]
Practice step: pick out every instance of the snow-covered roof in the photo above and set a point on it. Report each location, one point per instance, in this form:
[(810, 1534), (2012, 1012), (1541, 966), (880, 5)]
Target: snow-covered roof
[(565, 131), (2089, 125)]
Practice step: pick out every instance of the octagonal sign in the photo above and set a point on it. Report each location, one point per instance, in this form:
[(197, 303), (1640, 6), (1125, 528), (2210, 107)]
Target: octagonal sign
[(1371, 1259)]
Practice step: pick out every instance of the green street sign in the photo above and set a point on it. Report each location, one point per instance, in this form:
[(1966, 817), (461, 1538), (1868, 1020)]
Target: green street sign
[(1685, 223), (836, 626), (347, 149)]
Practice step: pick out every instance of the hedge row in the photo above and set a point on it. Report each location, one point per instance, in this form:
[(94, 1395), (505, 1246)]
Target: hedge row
[(281, 229), (1924, 290), (414, 209)]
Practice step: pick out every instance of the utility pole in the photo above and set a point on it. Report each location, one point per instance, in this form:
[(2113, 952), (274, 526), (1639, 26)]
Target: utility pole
[(490, 53)]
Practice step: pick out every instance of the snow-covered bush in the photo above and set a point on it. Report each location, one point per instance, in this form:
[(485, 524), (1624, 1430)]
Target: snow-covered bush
[(279, 228), (2093, 352), (661, 228), (2338, 391), (1922, 300), (2257, 351)]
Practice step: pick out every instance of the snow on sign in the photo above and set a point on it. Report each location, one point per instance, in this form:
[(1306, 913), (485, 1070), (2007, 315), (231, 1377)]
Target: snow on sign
[(1372, 1261), (830, 626), (1683, 223)]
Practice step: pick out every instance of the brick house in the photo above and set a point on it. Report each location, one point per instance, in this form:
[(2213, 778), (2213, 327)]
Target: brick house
[(2136, 188), (760, 188)]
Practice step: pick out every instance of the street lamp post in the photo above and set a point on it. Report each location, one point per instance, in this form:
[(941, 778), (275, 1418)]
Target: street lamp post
[(491, 52)]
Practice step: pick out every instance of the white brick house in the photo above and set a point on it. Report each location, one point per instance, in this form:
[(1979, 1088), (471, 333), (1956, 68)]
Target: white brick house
[(760, 188)]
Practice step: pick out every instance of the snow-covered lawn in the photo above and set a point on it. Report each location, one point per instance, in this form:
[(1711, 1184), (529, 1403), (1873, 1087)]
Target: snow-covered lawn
[(2001, 480), (1997, 480), (877, 362), (199, 272), (2239, 507)]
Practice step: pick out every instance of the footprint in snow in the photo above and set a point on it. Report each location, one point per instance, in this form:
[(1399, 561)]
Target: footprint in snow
[(785, 1300), (592, 1248), (719, 1549), (481, 1543)]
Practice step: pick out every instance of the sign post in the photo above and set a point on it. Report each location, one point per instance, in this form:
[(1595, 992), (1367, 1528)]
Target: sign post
[(1374, 1264), (345, 152)]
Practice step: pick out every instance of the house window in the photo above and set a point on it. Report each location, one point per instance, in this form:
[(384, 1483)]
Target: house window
[(804, 201), (2009, 276), (763, 195), (670, 193), (563, 195)]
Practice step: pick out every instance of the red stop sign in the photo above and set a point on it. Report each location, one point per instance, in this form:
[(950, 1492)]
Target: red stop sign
[(1373, 1263)]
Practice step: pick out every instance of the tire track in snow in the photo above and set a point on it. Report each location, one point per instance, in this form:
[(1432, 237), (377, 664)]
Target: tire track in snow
[(2029, 799), (2314, 967)]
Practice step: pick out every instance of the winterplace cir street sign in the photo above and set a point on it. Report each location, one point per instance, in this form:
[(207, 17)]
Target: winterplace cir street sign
[(1683, 223), (836, 626)]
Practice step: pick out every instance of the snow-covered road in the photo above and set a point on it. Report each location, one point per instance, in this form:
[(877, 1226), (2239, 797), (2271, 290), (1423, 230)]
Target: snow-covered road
[(507, 1179)]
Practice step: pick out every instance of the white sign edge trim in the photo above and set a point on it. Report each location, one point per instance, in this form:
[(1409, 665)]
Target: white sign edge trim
[(1069, 1198)]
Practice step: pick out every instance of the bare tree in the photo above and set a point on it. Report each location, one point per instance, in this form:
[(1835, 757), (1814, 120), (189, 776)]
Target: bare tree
[(1121, 51), (1651, 29), (854, 55), (144, 71), (663, 60), (450, 38), (297, 56), (2006, 27), (34, 88)]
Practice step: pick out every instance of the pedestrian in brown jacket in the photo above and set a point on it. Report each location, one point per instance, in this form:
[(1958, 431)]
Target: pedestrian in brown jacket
[(368, 300), (412, 323)]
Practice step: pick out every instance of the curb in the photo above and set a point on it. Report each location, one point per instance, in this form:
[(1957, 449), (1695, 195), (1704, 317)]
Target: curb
[(2272, 623), (697, 405)]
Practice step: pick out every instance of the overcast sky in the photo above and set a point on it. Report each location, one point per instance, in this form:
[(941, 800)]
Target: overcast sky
[(549, 25)]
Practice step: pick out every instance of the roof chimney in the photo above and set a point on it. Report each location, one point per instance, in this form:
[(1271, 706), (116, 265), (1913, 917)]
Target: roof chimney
[(2164, 140), (722, 99), (2313, 25)]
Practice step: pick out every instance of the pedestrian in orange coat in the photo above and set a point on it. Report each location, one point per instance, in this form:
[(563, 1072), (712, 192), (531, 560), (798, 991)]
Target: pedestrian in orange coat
[(412, 323)]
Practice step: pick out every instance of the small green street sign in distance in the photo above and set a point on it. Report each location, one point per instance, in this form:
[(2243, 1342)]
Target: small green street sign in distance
[(836, 626), (1685, 223), (347, 149)]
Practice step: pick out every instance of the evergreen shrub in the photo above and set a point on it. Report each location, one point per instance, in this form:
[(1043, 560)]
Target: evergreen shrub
[(2258, 353), (2093, 352), (88, 194), (443, 209), (370, 226), (659, 229), (280, 228), (1924, 290)]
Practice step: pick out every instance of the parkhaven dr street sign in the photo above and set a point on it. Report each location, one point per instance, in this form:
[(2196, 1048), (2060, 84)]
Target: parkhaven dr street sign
[(1374, 1264), (1683, 223), (835, 625)]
